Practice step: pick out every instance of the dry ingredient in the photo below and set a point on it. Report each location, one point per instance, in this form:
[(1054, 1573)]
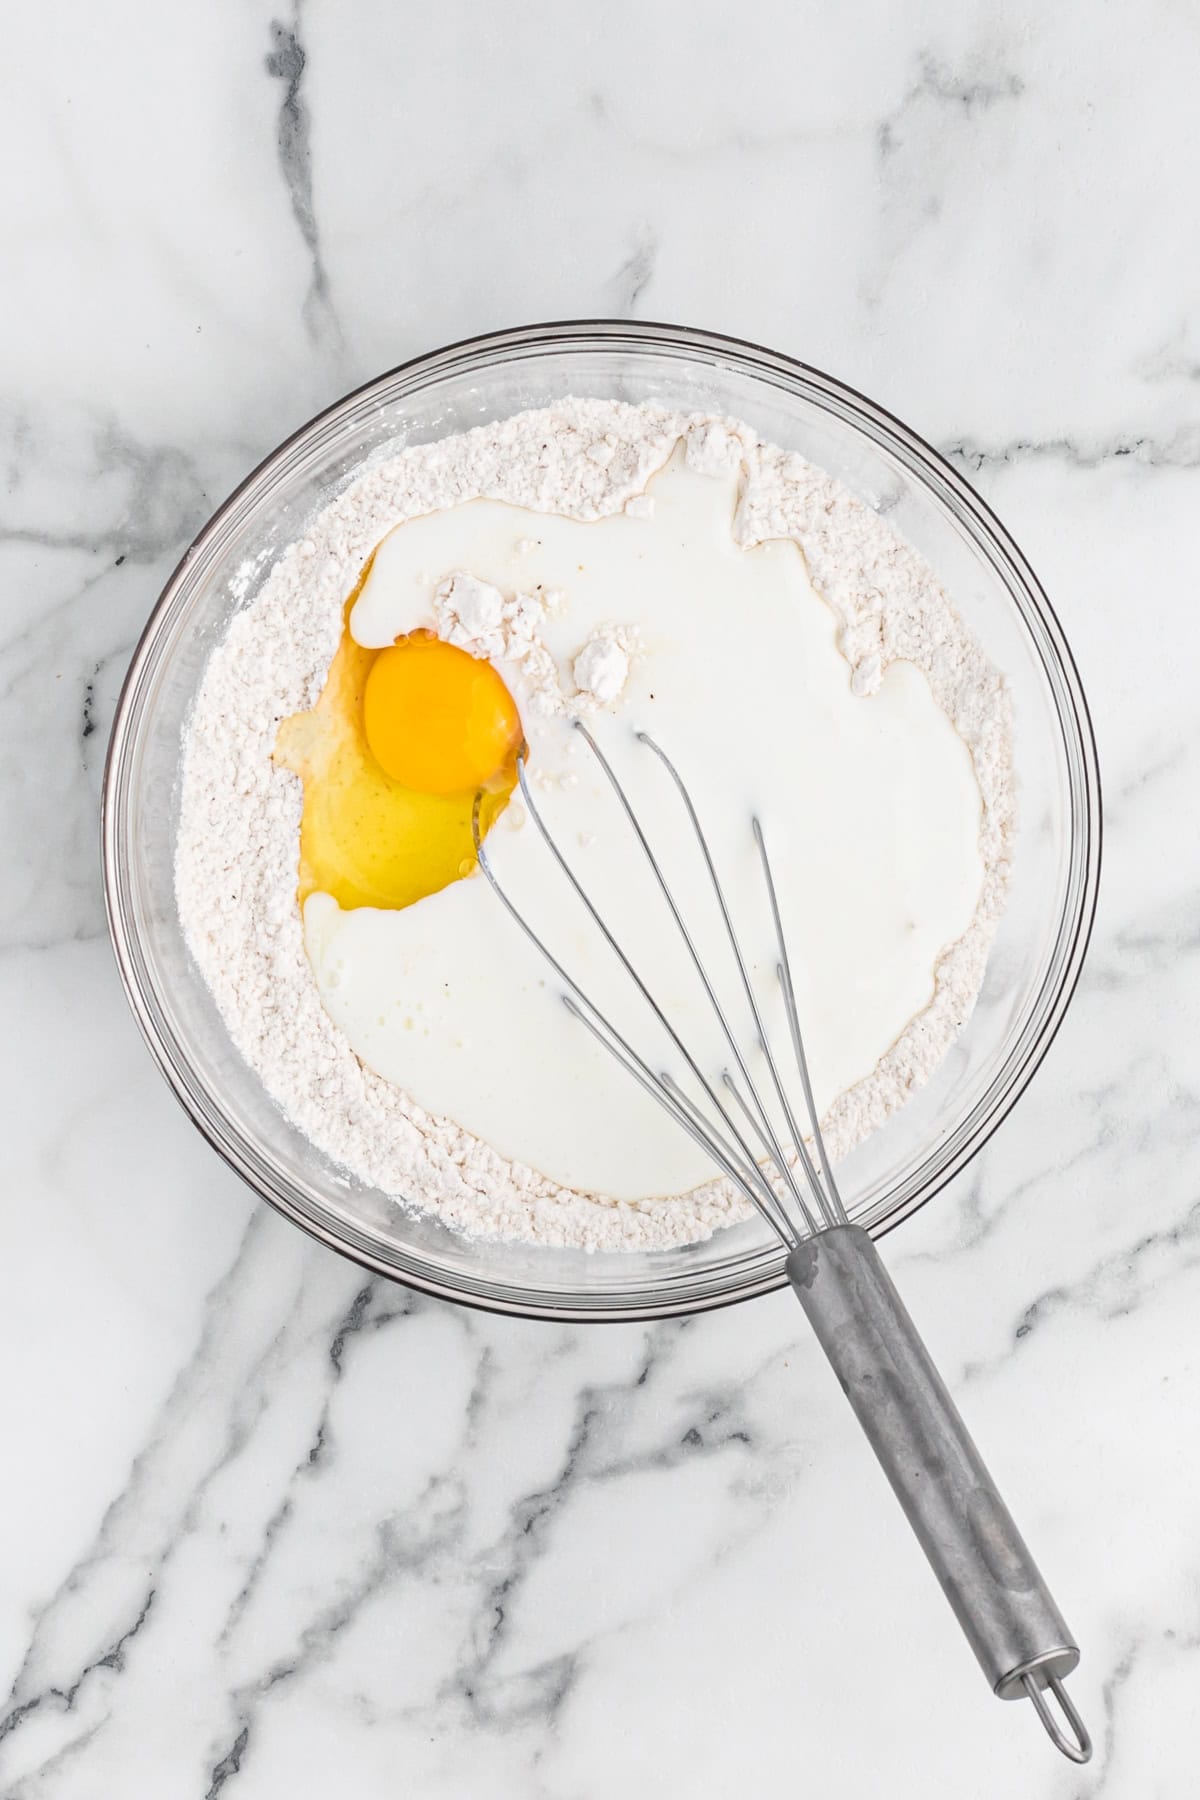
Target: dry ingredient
[(479, 618), (237, 846)]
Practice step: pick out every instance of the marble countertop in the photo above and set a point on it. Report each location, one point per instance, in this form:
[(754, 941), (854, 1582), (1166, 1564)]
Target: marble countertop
[(273, 1529)]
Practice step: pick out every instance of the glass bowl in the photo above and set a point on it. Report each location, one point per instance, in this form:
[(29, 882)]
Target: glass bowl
[(1039, 948)]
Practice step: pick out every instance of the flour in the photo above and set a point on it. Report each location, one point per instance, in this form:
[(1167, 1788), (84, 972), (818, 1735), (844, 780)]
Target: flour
[(602, 667), (236, 864), (504, 628)]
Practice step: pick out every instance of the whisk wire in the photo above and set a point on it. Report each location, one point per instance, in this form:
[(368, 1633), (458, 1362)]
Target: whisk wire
[(784, 973), (778, 1217), (748, 986), (752, 1121), (776, 1151), (610, 938), (746, 1175), (746, 1178)]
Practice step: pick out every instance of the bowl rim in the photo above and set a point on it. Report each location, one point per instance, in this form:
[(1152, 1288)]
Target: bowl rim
[(581, 333)]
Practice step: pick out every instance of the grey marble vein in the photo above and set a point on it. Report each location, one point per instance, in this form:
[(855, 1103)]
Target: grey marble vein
[(1121, 1281), (635, 274), (400, 1546), (229, 1765), (287, 62), (1180, 451), (160, 496), (975, 88), (714, 1422), (163, 1536), (64, 1698)]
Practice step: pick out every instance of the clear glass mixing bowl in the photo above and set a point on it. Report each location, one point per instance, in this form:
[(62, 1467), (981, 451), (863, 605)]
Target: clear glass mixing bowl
[(1040, 946)]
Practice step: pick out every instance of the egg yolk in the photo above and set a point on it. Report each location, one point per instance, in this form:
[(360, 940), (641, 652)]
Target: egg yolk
[(438, 720), (392, 756)]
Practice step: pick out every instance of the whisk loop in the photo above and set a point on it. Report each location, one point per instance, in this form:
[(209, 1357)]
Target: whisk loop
[(909, 1418)]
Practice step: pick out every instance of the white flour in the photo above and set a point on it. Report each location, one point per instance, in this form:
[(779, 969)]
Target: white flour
[(236, 865), (478, 618)]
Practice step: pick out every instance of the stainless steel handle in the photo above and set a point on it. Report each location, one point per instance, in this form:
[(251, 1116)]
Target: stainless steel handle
[(999, 1597)]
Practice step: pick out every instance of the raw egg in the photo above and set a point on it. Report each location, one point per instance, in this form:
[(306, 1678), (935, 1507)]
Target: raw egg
[(391, 757), (437, 719)]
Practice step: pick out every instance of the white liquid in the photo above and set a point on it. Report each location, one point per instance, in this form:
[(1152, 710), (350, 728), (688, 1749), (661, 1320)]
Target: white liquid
[(869, 806)]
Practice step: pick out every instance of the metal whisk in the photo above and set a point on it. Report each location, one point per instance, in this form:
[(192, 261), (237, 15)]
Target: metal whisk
[(998, 1595)]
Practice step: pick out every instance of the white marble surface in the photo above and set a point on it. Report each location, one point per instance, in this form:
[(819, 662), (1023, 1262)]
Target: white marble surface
[(273, 1530)]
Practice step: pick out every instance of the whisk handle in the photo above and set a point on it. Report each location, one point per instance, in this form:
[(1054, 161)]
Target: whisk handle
[(966, 1531)]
